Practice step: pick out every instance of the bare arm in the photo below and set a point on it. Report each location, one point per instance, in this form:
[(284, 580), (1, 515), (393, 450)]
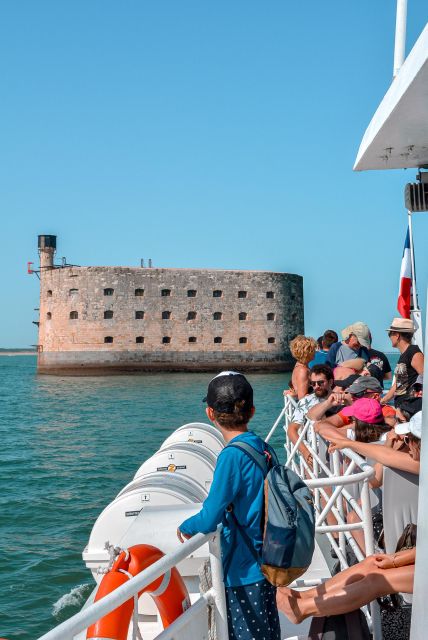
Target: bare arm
[(293, 434), (385, 455), (389, 395), (318, 411), (418, 362), (328, 431), (388, 376), (377, 480), (301, 382)]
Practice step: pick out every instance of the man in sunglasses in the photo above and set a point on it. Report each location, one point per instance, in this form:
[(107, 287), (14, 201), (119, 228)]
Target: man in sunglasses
[(362, 387), (321, 381)]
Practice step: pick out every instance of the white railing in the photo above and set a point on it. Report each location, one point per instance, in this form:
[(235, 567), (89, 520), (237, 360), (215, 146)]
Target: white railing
[(214, 597), (328, 480)]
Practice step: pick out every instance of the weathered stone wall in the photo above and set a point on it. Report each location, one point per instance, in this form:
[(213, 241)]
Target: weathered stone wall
[(73, 326)]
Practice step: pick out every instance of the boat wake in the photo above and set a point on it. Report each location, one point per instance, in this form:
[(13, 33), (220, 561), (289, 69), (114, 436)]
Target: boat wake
[(74, 598)]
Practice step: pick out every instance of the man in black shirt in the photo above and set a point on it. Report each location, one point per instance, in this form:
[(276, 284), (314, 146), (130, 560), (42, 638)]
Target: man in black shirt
[(410, 363), (378, 364)]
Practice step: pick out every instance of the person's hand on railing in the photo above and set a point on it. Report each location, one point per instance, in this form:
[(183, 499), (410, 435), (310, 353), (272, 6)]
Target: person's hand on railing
[(308, 458), (339, 443), (182, 536), (290, 392)]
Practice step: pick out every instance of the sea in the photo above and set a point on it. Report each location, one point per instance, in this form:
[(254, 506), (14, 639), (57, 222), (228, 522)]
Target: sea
[(68, 445)]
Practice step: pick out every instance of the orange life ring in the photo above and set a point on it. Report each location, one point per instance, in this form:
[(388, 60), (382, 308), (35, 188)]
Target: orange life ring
[(168, 591)]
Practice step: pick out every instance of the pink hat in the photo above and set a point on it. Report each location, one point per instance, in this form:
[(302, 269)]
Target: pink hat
[(365, 409)]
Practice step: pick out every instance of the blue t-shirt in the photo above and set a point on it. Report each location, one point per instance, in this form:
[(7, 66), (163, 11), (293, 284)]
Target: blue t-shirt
[(319, 358), (238, 480)]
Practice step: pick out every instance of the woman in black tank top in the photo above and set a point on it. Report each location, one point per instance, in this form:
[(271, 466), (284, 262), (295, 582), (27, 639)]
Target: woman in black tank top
[(410, 363)]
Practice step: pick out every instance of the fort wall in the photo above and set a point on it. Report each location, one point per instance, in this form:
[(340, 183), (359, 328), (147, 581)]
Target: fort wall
[(122, 319)]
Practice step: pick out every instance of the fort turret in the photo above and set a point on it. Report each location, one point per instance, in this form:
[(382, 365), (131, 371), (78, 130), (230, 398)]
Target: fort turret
[(47, 249)]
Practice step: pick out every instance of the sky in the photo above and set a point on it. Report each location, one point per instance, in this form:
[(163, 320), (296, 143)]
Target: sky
[(211, 135)]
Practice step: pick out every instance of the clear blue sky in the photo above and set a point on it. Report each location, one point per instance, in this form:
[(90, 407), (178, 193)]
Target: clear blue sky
[(201, 134)]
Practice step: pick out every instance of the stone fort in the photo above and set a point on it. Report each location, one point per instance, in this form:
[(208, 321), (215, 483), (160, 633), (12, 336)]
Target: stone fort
[(130, 319)]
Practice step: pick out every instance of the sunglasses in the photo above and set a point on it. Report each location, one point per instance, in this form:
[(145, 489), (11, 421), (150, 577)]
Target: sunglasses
[(319, 383)]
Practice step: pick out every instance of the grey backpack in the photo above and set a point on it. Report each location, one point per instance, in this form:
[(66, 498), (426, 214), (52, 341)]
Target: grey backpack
[(289, 521)]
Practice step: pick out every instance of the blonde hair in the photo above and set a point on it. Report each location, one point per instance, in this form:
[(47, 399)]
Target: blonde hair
[(303, 349)]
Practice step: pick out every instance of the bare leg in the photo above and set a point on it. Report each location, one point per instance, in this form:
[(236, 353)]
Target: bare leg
[(358, 534), (347, 576), (350, 596)]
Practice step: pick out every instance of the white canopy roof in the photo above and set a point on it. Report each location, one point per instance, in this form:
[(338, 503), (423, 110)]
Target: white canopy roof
[(397, 136)]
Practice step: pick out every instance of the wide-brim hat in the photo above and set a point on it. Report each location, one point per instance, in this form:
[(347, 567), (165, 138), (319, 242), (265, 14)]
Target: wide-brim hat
[(402, 325)]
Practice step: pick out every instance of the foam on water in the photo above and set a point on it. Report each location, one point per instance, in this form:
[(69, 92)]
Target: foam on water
[(74, 598)]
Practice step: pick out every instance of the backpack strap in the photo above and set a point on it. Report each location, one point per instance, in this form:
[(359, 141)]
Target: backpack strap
[(260, 459), (264, 461)]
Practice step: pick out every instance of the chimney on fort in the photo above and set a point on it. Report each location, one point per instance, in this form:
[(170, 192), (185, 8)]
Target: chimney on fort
[(47, 249)]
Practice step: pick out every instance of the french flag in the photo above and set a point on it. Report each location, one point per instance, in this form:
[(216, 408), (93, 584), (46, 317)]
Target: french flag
[(405, 294)]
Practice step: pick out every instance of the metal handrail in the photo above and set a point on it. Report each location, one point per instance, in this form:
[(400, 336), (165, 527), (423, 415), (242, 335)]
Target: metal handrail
[(334, 503), (215, 596)]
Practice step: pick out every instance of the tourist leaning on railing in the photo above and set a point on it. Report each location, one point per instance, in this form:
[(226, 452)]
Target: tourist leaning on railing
[(390, 457)]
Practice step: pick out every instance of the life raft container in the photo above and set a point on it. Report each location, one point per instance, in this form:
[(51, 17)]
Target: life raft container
[(168, 591)]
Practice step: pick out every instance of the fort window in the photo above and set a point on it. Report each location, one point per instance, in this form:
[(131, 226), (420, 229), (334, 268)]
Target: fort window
[(218, 340), (166, 315), (139, 315), (271, 340), (192, 339), (139, 339), (73, 292), (270, 316), (294, 317), (243, 340), (217, 315), (108, 315), (166, 340), (48, 316), (165, 293), (191, 315), (108, 292), (242, 294), (191, 293), (74, 315), (139, 292), (270, 294), (49, 293), (242, 315), (217, 293), (108, 339)]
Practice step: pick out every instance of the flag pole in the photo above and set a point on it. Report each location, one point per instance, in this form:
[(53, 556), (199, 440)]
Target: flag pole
[(415, 313)]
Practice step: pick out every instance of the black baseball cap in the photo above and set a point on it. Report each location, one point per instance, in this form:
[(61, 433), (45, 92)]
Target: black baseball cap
[(225, 389)]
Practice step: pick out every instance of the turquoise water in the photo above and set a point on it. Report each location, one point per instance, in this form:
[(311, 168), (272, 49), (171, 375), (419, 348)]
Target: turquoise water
[(68, 446)]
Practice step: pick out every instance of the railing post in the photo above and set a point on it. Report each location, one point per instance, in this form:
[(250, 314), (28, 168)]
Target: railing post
[(220, 610), (339, 502), (316, 467), (369, 545)]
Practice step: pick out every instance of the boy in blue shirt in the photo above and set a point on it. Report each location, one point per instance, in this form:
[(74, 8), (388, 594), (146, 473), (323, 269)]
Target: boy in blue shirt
[(238, 487)]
